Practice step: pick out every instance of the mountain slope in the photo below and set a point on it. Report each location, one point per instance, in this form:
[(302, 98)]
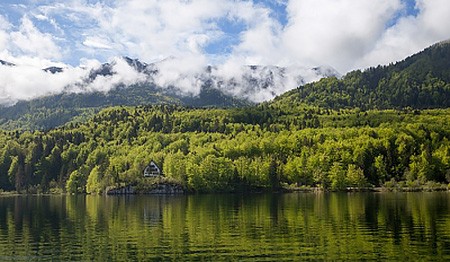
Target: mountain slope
[(130, 82), (419, 81), (51, 111)]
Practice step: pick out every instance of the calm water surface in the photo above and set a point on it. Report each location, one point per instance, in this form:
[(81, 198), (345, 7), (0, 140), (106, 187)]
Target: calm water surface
[(330, 226)]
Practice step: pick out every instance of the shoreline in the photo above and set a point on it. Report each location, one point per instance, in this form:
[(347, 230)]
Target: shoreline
[(165, 189)]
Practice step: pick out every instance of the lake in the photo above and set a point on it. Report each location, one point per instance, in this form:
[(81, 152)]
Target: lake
[(262, 227)]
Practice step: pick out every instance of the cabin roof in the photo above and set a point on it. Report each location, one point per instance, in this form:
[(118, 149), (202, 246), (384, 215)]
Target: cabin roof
[(152, 169)]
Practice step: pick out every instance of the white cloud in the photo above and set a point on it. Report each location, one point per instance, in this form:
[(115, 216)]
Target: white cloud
[(158, 29), (260, 43), (44, 18), (337, 33), (345, 34), (181, 74), (23, 82), (154, 30), (96, 42), (122, 74), (4, 36), (28, 80), (29, 40), (351, 34), (260, 83), (41, 17), (411, 34)]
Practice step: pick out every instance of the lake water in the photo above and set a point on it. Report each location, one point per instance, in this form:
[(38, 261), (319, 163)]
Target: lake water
[(266, 227)]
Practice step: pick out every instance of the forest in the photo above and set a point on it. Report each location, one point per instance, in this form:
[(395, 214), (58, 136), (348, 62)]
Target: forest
[(231, 150), (381, 127)]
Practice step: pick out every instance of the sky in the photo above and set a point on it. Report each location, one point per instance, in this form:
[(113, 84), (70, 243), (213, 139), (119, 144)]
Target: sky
[(343, 34)]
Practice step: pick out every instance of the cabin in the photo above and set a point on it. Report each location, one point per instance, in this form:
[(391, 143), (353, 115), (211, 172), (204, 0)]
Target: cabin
[(152, 170)]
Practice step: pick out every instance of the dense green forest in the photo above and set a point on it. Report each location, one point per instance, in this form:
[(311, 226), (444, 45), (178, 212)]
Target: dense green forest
[(386, 126), (210, 150)]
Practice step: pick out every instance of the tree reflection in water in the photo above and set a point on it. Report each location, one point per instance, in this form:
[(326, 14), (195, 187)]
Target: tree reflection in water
[(351, 226)]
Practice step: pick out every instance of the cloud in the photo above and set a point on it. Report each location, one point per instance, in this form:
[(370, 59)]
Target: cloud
[(352, 34), (154, 30), (411, 33), (261, 83), (4, 36), (256, 83), (41, 17), (96, 42), (123, 74), (24, 82), (337, 33), (345, 34), (181, 74), (260, 42), (29, 80), (29, 40)]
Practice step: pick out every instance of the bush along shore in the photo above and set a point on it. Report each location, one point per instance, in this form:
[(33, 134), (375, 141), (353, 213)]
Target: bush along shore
[(148, 186), (164, 186)]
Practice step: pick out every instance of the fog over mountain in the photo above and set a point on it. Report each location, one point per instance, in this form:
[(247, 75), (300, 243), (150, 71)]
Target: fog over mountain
[(252, 82)]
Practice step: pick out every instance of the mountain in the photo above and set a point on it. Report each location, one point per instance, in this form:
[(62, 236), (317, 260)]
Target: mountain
[(130, 82), (5, 63), (420, 81), (51, 111), (253, 82), (53, 69)]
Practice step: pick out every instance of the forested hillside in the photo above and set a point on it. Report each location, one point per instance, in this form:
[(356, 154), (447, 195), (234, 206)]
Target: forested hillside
[(56, 110), (420, 81), (213, 150), (386, 126)]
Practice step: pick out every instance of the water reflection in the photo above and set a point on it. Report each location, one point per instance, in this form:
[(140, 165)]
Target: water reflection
[(226, 227)]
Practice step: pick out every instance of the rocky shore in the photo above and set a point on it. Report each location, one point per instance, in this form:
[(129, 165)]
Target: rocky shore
[(161, 188)]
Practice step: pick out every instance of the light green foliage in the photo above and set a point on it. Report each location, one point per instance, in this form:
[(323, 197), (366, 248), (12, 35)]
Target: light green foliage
[(228, 150), (337, 177), (94, 181), (13, 168), (355, 177), (75, 183), (330, 133), (380, 168), (293, 169), (175, 167), (216, 172)]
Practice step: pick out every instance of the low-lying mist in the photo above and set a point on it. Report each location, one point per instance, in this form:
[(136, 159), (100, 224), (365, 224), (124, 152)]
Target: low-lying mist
[(186, 77)]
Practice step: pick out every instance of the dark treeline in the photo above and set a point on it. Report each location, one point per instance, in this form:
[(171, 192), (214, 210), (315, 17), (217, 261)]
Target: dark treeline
[(48, 112), (211, 150)]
